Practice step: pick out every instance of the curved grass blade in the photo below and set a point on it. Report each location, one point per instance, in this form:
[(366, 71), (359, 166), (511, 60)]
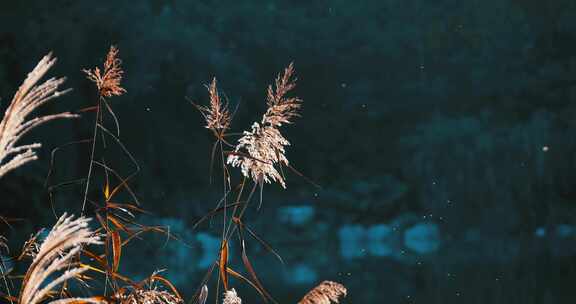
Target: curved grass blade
[(262, 242), (250, 268), (203, 295), (116, 250), (223, 263)]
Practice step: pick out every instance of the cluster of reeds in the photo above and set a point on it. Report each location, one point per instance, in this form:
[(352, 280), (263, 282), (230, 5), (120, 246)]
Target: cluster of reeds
[(73, 252)]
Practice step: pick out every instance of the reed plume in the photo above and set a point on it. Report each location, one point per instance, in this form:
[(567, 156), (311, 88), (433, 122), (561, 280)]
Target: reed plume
[(108, 80), (281, 108), (15, 124), (151, 296), (325, 293), (55, 256), (217, 115), (261, 148), (231, 297), (93, 300)]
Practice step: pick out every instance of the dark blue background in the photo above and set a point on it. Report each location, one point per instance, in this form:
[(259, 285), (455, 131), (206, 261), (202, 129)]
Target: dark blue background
[(442, 133)]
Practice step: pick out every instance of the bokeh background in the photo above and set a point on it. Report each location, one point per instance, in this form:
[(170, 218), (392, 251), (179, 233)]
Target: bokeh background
[(442, 134)]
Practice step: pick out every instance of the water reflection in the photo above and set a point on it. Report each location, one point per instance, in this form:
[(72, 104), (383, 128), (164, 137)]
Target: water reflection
[(415, 256), (383, 240)]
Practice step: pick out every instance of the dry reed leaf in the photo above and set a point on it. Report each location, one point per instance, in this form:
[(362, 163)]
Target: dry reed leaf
[(151, 295), (31, 247), (54, 256), (325, 293), (116, 250), (92, 300), (29, 97), (248, 265), (108, 80), (223, 264), (165, 282), (203, 295)]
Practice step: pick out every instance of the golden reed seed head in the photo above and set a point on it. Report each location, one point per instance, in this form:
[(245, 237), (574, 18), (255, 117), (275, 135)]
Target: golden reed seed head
[(109, 79)]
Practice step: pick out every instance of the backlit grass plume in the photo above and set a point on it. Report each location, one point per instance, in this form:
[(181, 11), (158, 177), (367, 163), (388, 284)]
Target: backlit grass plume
[(261, 148), (231, 297), (151, 296), (325, 293), (53, 263), (108, 80), (217, 115), (260, 154), (15, 122)]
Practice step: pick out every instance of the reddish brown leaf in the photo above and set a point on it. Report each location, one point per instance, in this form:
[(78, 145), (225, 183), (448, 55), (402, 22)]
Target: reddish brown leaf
[(107, 192), (243, 278), (116, 249), (118, 224), (167, 283), (99, 259), (102, 222), (249, 266), (224, 263)]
